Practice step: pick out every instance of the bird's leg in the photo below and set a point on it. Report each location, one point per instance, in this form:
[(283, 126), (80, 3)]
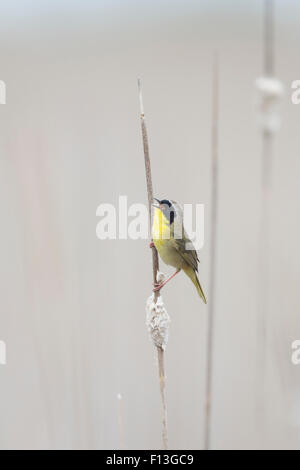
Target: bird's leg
[(158, 286)]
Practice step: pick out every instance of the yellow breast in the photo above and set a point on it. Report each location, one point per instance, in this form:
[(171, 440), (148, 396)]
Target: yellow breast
[(160, 229)]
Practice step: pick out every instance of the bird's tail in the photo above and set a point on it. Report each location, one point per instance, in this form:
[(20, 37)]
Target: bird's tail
[(193, 276)]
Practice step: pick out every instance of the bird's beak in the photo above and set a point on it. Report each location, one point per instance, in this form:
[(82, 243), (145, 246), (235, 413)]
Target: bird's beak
[(155, 205)]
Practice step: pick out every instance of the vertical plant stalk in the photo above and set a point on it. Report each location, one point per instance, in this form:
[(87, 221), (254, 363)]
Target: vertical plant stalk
[(155, 268), (267, 142), (121, 421), (213, 240), (268, 38)]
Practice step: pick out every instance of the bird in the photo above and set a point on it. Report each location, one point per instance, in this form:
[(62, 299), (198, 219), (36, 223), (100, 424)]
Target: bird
[(172, 242)]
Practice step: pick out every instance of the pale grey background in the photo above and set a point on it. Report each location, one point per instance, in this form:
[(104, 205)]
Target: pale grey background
[(73, 307)]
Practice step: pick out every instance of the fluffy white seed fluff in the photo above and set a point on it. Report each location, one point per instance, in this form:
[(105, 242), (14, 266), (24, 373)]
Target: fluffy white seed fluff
[(157, 321), (269, 87), (270, 91), (160, 277)]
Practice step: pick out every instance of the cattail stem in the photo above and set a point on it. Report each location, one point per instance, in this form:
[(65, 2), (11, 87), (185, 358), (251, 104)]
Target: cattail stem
[(121, 419), (155, 268), (162, 384), (267, 143), (213, 239), (268, 38)]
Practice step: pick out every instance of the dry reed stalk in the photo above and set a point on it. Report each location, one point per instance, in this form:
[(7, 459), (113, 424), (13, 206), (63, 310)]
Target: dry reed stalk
[(213, 240), (121, 422), (267, 142), (155, 268)]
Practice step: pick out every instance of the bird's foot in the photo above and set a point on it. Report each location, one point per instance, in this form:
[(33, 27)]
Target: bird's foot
[(160, 281), (157, 286)]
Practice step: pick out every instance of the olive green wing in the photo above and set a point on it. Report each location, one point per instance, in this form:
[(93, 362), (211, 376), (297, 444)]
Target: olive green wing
[(190, 256), (181, 239)]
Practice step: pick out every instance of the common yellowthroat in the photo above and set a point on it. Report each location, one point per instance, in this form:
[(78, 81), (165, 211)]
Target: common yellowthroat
[(172, 243)]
